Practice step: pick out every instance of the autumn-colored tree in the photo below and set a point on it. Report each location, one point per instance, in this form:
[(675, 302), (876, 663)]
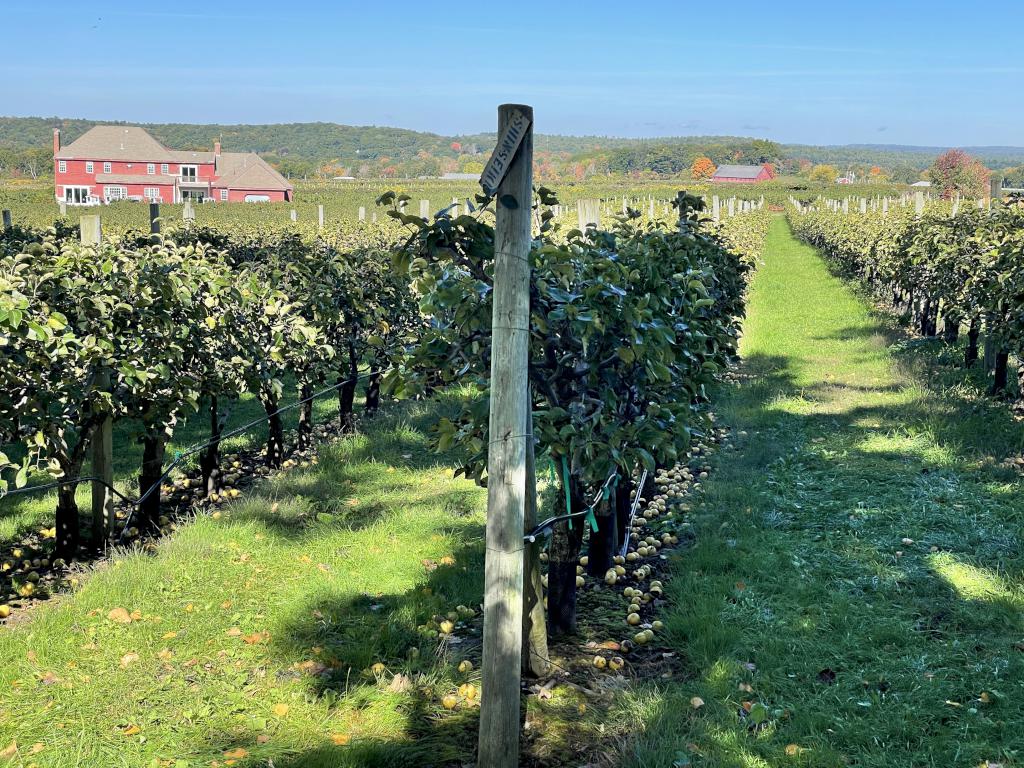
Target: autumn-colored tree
[(824, 173), (579, 172), (956, 172), (702, 168)]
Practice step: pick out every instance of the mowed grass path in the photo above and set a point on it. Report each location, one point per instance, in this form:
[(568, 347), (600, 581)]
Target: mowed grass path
[(858, 565), (253, 633)]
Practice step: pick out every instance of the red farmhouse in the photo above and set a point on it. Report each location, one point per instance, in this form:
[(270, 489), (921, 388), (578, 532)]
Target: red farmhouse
[(742, 174), (113, 162)]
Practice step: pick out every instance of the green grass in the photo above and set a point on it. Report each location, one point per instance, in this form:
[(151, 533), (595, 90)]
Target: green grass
[(361, 551), (865, 650)]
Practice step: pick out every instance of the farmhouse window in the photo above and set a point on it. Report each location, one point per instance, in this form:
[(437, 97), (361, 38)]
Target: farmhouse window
[(188, 173), (106, 167), (150, 168), (223, 194), (152, 194), (116, 193), (89, 166), (164, 169), (62, 166)]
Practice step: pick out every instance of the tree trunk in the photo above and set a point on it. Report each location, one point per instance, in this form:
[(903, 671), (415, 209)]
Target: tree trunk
[(604, 541), (971, 353), (209, 461), (536, 660), (152, 469), (67, 520), (305, 436), (347, 392), (373, 394), (563, 557), (999, 372), (950, 328), (275, 436)]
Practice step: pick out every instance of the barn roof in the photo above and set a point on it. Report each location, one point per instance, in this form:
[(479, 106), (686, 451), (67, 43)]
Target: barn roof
[(738, 171), (115, 142), (247, 170)]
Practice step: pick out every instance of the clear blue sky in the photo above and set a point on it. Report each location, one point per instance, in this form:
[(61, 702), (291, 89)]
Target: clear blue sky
[(861, 71)]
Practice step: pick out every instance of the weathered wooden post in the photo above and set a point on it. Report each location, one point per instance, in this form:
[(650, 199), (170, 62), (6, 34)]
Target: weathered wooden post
[(509, 176), (188, 213), (154, 218), (919, 203), (294, 215), (455, 207), (362, 213), (102, 439), (732, 207), (7, 219), (716, 208), (996, 187), (62, 206), (320, 217), (425, 209)]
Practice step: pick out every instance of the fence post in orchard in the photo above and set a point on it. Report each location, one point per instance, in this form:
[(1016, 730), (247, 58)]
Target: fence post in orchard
[(7, 219), (716, 208), (425, 209), (294, 215), (320, 217), (919, 203), (509, 177), (154, 218), (996, 188), (102, 439), (362, 213)]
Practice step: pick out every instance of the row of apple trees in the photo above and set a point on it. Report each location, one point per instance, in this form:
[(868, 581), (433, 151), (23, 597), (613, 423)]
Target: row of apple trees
[(628, 329), (963, 266), (152, 328)]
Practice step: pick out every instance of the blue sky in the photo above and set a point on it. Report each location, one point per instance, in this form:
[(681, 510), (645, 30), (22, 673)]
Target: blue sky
[(936, 73)]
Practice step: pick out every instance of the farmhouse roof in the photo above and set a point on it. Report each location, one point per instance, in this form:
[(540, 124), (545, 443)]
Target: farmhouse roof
[(115, 142), (247, 170), (134, 178), (738, 171), (190, 156)]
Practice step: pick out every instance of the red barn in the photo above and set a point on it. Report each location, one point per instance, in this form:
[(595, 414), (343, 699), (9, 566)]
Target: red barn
[(113, 162), (742, 174)]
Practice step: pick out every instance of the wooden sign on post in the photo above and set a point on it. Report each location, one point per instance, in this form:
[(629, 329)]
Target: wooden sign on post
[(509, 176), (512, 134)]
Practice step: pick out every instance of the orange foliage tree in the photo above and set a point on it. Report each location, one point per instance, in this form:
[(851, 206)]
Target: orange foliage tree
[(702, 168)]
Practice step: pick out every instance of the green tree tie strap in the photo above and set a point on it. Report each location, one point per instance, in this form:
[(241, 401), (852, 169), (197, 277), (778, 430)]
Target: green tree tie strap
[(565, 484)]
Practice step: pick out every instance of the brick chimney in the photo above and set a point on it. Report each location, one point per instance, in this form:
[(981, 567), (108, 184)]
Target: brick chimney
[(216, 148), (56, 141)]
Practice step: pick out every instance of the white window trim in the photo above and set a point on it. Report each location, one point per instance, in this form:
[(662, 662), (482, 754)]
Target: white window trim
[(122, 192), (165, 169), (62, 166), (181, 172), (107, 167), (150, 169), (89, 167), (223, 194), (152, 194)]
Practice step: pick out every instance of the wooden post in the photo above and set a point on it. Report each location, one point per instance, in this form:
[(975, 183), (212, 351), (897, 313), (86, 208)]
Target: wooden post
[(7, 219), (362, 213), (102, 440), (918, 203), (320, 217), (154, 218), (188, 213), (716, 208), (425, 209), (294, 215), (506, 455), (996, 187), (62, 206)]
